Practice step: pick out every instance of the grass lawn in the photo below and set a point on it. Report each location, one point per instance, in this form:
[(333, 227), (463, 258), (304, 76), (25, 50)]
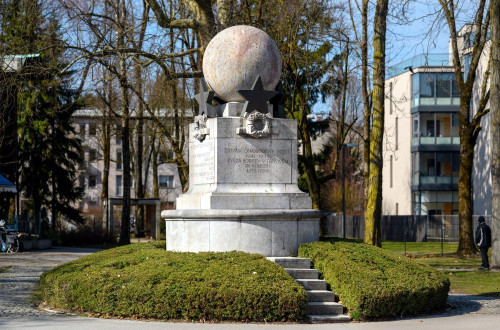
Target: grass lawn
[(420, 248), (481, 283), (469, 282)]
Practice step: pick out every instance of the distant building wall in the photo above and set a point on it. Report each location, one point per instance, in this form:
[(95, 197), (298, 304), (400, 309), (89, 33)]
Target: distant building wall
[(397, 170)]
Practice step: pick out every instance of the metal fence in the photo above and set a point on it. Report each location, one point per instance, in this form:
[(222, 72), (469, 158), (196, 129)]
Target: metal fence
[(408, 228)]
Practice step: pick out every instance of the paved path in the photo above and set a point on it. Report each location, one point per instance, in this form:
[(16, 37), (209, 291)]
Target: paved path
[(17, 310)]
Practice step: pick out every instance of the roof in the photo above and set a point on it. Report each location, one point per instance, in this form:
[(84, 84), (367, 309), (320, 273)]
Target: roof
[(6, 185), (422, 60), (15, 62), (97, 113)]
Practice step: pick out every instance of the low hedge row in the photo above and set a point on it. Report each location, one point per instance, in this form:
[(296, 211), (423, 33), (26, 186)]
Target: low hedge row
[(374, 283), (145, 281)]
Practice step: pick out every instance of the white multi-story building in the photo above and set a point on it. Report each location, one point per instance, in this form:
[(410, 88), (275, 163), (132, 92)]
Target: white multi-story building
[(88, 124), (421, 141)]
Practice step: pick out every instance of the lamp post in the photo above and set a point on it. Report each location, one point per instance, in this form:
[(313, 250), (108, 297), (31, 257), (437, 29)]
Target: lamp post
[(346, 145)]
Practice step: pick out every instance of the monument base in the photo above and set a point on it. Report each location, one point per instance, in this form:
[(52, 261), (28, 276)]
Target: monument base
[(272, 233)]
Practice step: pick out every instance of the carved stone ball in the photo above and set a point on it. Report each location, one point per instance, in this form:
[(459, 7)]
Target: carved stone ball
[(236, 56)]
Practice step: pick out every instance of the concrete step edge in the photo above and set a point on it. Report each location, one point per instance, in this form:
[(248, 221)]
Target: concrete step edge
[(321, 295), (302, 273), (312, 284), (292, 262), (324, 308), (329, 318)]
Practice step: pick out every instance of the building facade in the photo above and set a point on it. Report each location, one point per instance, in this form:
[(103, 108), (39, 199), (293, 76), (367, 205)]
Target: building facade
[(422, 144), (88, 124)]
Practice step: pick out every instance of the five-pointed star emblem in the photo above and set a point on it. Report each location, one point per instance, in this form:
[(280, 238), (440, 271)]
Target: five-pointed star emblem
[(256, 97), (204, 99)]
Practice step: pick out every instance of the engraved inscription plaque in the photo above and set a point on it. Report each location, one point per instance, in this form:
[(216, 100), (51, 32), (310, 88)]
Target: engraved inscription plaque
[(264, 162), (201, 160)]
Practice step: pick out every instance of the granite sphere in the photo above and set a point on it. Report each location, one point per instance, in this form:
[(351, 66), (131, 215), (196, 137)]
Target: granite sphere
[(236, 56)]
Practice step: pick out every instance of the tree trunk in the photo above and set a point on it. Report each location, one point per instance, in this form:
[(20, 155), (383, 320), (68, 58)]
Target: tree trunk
[(140, 191), (106, 143), (308, 162), (468, 128), (125, 221), (366, 97), (374, 202), (466, 244), (495, 132), (156, 188)]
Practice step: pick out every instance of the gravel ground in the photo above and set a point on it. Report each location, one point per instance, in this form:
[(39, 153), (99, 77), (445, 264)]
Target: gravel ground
[(16, 286)]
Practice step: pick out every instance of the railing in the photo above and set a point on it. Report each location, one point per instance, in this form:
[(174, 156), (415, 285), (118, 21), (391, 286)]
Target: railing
[(408, 228)]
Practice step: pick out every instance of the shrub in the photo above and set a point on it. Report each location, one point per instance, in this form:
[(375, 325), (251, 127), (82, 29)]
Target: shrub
[(374, 283), (80, 235), (145, 281)]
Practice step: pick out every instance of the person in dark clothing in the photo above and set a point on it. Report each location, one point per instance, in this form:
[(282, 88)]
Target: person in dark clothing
[(483, 241)]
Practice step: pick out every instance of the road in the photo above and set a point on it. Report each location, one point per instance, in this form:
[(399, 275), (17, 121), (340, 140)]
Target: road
[(18, 312)]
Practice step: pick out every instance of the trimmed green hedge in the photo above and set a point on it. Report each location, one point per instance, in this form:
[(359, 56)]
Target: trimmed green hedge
[(374, 283), (145, 281)]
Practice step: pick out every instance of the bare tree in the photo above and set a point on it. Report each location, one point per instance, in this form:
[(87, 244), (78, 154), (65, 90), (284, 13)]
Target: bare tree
[(495, 131), (469, 124), (362, 42), (374, 199)]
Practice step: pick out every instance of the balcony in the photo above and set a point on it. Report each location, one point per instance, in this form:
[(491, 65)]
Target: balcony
[(435, 170), (435, 129)]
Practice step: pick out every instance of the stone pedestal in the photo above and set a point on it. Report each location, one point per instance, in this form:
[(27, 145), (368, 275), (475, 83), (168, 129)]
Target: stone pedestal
[(243, 192)]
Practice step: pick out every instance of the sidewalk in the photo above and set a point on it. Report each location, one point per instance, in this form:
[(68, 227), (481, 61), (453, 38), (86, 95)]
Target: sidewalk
[(16, 310)]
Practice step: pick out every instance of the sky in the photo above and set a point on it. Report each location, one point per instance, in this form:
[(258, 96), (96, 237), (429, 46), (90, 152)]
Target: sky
[(406, 40)]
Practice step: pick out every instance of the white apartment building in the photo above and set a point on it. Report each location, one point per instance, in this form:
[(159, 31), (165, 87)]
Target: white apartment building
[(88, 124), (421, 141)]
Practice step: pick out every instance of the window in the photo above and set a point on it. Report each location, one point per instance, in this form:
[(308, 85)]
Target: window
[(469, 38), (82, 130), (118, 139), (415, 100), (162, 157), (92, 155), (432, 88), (92, 129), (168, 205), (166, 181), (92, 181), (435, 203), (81, 180), (119, 160), (427, 88), (81, 164), (396, 135), (390, 172), (119, 184), (397, 208), (443, 88), (438, 167), (416, 129), (390, 98)]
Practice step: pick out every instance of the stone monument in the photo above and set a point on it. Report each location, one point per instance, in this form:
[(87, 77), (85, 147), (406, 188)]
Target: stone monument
[(243, 192)]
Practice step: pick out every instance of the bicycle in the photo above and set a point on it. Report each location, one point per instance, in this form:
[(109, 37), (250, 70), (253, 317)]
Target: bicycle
[(8, 244)]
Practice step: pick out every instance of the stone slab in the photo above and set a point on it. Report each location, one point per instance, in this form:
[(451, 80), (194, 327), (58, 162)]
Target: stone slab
[(192, 236), (254, 161), (244, 201), (273, 233)]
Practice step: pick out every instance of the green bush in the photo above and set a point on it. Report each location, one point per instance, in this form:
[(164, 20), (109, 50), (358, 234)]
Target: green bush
[(145, 281), (374, 283)]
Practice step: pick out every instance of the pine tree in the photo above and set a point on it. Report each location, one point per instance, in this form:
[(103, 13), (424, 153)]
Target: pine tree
[(49, 151)]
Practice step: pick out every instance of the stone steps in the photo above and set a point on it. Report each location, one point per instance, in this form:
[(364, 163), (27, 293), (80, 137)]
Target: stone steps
[(321, 307)]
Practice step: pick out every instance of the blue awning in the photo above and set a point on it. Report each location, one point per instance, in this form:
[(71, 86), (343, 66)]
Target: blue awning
[(6, 185)]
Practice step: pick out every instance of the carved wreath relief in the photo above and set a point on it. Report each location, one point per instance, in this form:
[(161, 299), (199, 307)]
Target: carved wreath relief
[(257, 125)]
